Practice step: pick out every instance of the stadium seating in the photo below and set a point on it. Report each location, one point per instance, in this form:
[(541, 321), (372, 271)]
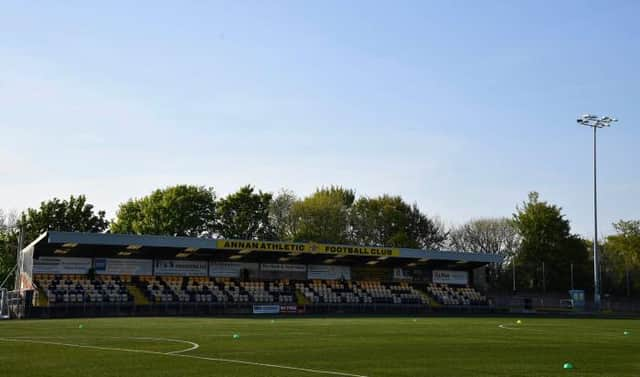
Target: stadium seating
[(397, 293), (274, 291), (359, 292), (81, 289), (226, 290), (202, 289), (318, 291), (449, 295), (157, 289), (221, 290), (172, 289)]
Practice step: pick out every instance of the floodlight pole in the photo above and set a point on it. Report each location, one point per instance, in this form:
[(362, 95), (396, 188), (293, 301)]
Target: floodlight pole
[(18, 268), (572, 276), (544, 280), (595, 122), (596, 256), (513, 265)]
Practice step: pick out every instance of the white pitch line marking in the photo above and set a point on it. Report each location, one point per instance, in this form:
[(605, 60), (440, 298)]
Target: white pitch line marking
[(194, 346), (316, 371), (506, 327), (232, 361)]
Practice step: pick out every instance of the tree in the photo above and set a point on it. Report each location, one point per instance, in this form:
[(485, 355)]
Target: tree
[(546, 238), (626, 241), (245, 215), (72, 215), (182, 210), (427, 233), (8, 245), (8, 221), (490, 236), (390, 221), (381, 221), (621, 256), (323, 216), (281, 217)]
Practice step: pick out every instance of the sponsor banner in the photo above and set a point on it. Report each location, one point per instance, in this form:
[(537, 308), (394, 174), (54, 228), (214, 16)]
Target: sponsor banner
[(266, 309), (289, 309), (312, 248), (401, 274), (283, 267), (450, 277), (123, 266), (226, 269), (328, 272), (61, 265), (180, 267)]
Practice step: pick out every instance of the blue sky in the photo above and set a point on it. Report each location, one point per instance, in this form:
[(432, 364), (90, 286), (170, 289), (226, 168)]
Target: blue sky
[(461, 106)]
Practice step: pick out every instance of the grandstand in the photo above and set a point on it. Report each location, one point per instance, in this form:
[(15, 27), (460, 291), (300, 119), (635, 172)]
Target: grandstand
[(79, 288), (110, 274)]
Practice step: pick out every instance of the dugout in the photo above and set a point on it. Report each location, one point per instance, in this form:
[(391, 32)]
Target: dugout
[(137, 274)]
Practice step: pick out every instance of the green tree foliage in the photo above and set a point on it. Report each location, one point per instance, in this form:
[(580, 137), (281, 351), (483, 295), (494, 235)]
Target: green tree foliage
[(8, 245), (7, 254), (621, 258), (626, 242), (425, 232), (182, 210), (281, 216), (381, 221), (490, 236), (390, 221), (546, 237), (72, 215), (245, 215), (323, 216)]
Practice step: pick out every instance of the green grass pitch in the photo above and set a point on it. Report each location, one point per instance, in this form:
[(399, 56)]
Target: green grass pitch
[(372, 347)]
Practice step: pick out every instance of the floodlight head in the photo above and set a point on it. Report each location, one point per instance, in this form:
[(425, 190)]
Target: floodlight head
[(595, 121)]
